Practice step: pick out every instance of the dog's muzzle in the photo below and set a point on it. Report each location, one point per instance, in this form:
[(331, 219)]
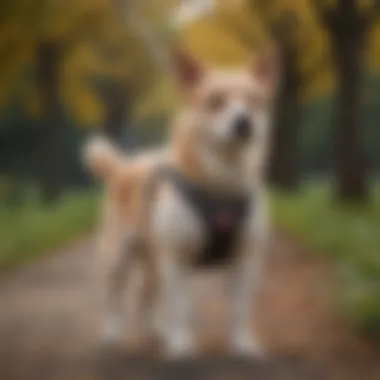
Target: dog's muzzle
[(242, 128)]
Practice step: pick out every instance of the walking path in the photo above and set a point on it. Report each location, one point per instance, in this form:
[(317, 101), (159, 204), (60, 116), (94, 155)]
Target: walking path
[(47, 320)]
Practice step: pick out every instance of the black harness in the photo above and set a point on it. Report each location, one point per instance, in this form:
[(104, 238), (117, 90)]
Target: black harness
[(222, 217)]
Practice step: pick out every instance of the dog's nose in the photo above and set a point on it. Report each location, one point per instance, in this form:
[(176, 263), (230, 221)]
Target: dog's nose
[(243, 127)]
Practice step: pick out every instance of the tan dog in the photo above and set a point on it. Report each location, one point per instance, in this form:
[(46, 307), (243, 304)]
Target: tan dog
[(199, 201)]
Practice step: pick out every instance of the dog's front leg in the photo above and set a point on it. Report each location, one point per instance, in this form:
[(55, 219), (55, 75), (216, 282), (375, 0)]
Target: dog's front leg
[(178, 235), (246, 278), (177, 331)]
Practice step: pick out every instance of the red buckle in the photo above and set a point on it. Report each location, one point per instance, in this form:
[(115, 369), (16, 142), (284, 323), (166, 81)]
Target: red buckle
[(224, 221)]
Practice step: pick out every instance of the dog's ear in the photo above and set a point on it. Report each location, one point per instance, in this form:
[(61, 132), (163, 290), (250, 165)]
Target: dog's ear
[(266, 68), (187, 68)]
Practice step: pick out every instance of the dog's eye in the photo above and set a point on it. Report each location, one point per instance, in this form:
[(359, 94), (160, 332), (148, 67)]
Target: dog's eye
[(215, 102)]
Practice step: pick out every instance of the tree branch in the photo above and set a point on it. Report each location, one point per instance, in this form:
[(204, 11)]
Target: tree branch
[(280, 27), (326, 15), (284, 27), (159, 53), (315, 70), (262, 7), (368, 18)]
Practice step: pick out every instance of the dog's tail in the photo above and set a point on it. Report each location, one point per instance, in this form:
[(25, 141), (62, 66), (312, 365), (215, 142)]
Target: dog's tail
[(101, 157)]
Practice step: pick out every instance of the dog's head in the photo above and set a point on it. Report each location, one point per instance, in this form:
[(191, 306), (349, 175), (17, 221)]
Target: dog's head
[(229, 109)]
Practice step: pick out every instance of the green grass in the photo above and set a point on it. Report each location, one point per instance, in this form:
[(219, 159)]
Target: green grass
[(349, 236), (32, 229)]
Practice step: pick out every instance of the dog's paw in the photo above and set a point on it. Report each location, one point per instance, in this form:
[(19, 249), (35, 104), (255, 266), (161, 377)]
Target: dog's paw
[(180, 346), (245, 345), (112, 330)]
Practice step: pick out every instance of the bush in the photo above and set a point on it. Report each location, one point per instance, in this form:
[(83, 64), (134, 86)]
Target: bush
[(32, 228)]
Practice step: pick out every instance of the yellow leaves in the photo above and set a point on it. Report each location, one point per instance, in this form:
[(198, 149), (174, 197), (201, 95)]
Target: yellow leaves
[(86, 105), (320, 84), (232, 33), (29, 21), (83, 102), (78, 98), (158, 12), (99, 43), (365, 5), (162, 99), (65, 17), (362, 5), (58, 20), (331, 3), (373, 50), (212, 43), (33, 101), (10, 33), (305, 15), (12, 66), (80, 60), (76, 91), (240, 21)]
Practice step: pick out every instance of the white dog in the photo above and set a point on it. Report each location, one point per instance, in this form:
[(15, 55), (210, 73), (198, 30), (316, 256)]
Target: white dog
[(198, 202)]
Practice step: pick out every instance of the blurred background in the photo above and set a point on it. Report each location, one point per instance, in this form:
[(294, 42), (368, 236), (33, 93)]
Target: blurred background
[(71, 68)]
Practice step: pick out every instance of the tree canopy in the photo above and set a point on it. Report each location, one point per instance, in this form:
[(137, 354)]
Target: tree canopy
[(99, 41)]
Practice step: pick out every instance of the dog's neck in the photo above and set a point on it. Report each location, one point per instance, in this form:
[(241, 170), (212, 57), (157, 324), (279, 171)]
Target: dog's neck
[(217, 170)]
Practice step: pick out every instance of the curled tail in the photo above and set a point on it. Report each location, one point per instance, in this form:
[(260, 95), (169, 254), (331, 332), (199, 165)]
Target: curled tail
[(101, 157)]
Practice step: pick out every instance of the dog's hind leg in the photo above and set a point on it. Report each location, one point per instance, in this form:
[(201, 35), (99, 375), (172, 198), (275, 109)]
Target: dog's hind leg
[(112, 265), (147, 297), (113, 282)]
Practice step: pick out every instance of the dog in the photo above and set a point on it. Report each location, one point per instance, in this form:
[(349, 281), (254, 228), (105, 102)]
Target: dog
[(199, 201)]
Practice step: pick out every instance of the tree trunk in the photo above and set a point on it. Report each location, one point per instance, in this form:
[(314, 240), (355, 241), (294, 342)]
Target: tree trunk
[(48, 62), (350, 161), (284, 169), (115, 98)]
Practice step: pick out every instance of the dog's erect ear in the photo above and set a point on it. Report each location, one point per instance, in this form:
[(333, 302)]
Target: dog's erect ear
[(266, 68), (187, 69)]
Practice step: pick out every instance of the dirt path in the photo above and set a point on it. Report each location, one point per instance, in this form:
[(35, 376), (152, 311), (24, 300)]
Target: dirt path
[(47, 320)]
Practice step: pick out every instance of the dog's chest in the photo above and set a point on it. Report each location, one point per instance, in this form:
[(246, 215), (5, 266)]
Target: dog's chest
[(223, 222), (195, 221)]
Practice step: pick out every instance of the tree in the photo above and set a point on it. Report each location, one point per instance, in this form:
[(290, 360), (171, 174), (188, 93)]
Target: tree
[(284, 169), (49, 56), (348, 27), (129, 62), (53, 50), (41, 36)]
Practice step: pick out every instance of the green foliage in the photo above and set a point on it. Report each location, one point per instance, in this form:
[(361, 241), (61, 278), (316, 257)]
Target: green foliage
[(316, 121), (32, 229), (316, 137), (371, 117), (348, 236)]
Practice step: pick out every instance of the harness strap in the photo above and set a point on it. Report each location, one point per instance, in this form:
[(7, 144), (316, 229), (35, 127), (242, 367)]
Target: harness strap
[(222, 217)]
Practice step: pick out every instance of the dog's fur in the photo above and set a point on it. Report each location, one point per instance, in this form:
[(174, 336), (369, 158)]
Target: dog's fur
[(162, 228)]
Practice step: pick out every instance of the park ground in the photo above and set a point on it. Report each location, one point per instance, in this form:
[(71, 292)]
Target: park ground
[(47, 318)]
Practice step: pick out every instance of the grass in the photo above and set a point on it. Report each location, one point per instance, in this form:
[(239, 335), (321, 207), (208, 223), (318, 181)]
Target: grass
[(31, 229), (349, 236)]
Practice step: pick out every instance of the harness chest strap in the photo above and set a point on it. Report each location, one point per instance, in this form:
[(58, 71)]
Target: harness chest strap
[(222, 218)]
